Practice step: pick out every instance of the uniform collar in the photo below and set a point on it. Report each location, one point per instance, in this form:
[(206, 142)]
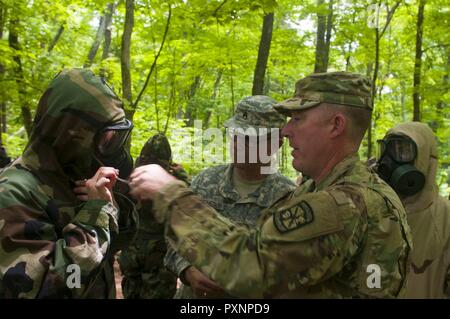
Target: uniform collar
[(340, 169), (263, 196)]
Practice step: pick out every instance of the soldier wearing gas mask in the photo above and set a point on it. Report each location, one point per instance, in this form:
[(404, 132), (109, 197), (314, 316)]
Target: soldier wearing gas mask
[(407, 161), (56, 242)]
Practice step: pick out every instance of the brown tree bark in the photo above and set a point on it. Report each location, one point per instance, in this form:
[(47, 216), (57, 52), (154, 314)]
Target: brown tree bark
[(418, 61), (323, 38), (263, 55)]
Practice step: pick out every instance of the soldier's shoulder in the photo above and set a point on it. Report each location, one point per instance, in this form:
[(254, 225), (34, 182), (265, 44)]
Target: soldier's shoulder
[(309, 215), (283, 180), (211, 173), (18, 184), (17, 176)]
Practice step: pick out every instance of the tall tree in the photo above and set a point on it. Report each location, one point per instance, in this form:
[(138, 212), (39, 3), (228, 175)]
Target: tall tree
[(191, 106), (324, 27), (213, 97), (105, 21), (418, 61), (155, 60), (13, 40), (379, 32), (125, 57), (3, 16), (263, 55), (107, 31), (55, 38)]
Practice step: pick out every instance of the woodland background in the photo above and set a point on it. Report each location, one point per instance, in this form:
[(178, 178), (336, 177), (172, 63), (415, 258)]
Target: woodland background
[(177, 61)]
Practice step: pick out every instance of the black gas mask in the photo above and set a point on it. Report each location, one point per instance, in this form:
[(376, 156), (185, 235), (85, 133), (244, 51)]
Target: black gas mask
[(395, 164), (109, 148)]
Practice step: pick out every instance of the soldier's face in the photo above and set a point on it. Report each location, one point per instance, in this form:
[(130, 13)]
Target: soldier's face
[(307, 134), (255, 149)]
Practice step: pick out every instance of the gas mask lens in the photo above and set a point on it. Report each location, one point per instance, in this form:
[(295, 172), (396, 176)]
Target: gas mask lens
[(112, 138), (401, 149)]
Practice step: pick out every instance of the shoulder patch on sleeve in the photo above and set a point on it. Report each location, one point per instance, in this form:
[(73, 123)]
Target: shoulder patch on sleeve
[(303, 217), (294, 217)]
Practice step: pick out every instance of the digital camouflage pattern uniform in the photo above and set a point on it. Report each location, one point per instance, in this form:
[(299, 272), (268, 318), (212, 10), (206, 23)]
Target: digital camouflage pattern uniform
[(145, 276), (320, 241), (429, 218), (215, 185), (44, 228)]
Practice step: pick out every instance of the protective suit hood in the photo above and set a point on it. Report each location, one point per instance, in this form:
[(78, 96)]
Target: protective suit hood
[(426, 162), (75, 106)]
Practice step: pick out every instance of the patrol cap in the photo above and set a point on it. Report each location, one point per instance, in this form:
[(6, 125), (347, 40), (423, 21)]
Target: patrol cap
[(344, 88), (255, 112)]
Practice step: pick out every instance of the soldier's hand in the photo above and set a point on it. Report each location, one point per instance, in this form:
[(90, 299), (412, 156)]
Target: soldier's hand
[(101, 184), (146, 181), (80, 190), (202, 286)]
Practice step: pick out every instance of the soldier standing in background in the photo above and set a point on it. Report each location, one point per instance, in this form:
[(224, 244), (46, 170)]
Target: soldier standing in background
[(408, 160), (144, 274)]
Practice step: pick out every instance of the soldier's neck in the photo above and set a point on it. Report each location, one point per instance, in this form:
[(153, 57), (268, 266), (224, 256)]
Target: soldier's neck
[(249, 172)]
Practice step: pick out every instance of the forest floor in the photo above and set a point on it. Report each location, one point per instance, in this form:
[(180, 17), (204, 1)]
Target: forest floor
[(118, 278)]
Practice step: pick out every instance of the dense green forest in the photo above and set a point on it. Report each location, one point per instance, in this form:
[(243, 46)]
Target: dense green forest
[(174, 62)]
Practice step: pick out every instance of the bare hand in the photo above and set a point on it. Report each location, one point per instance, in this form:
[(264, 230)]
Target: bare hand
[(100, 185), (147, 180), (202, 286), (80, 190)]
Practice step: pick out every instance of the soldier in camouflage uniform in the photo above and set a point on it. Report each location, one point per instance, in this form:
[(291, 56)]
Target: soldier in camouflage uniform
[(53, 244), (342, 234), (240, 198), (408, 160), (144, 275)]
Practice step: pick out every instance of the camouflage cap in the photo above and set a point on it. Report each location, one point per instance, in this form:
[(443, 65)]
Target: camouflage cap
[(344, 88), (255, 112)]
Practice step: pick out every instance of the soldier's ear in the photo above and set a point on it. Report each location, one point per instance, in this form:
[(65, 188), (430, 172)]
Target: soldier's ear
[(338, 124)]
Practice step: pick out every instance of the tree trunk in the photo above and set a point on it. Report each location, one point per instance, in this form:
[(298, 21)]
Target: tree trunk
[(440, 106), (125, 58), (111, 7), (378, 36), (55, 39), (213, 97), (418, 61), (232, 85), (13, 40), (319, 65), (263, 55), (101, 32), (191, 105), (328, 34), (2, 73), (166, 30), (96, 43)]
